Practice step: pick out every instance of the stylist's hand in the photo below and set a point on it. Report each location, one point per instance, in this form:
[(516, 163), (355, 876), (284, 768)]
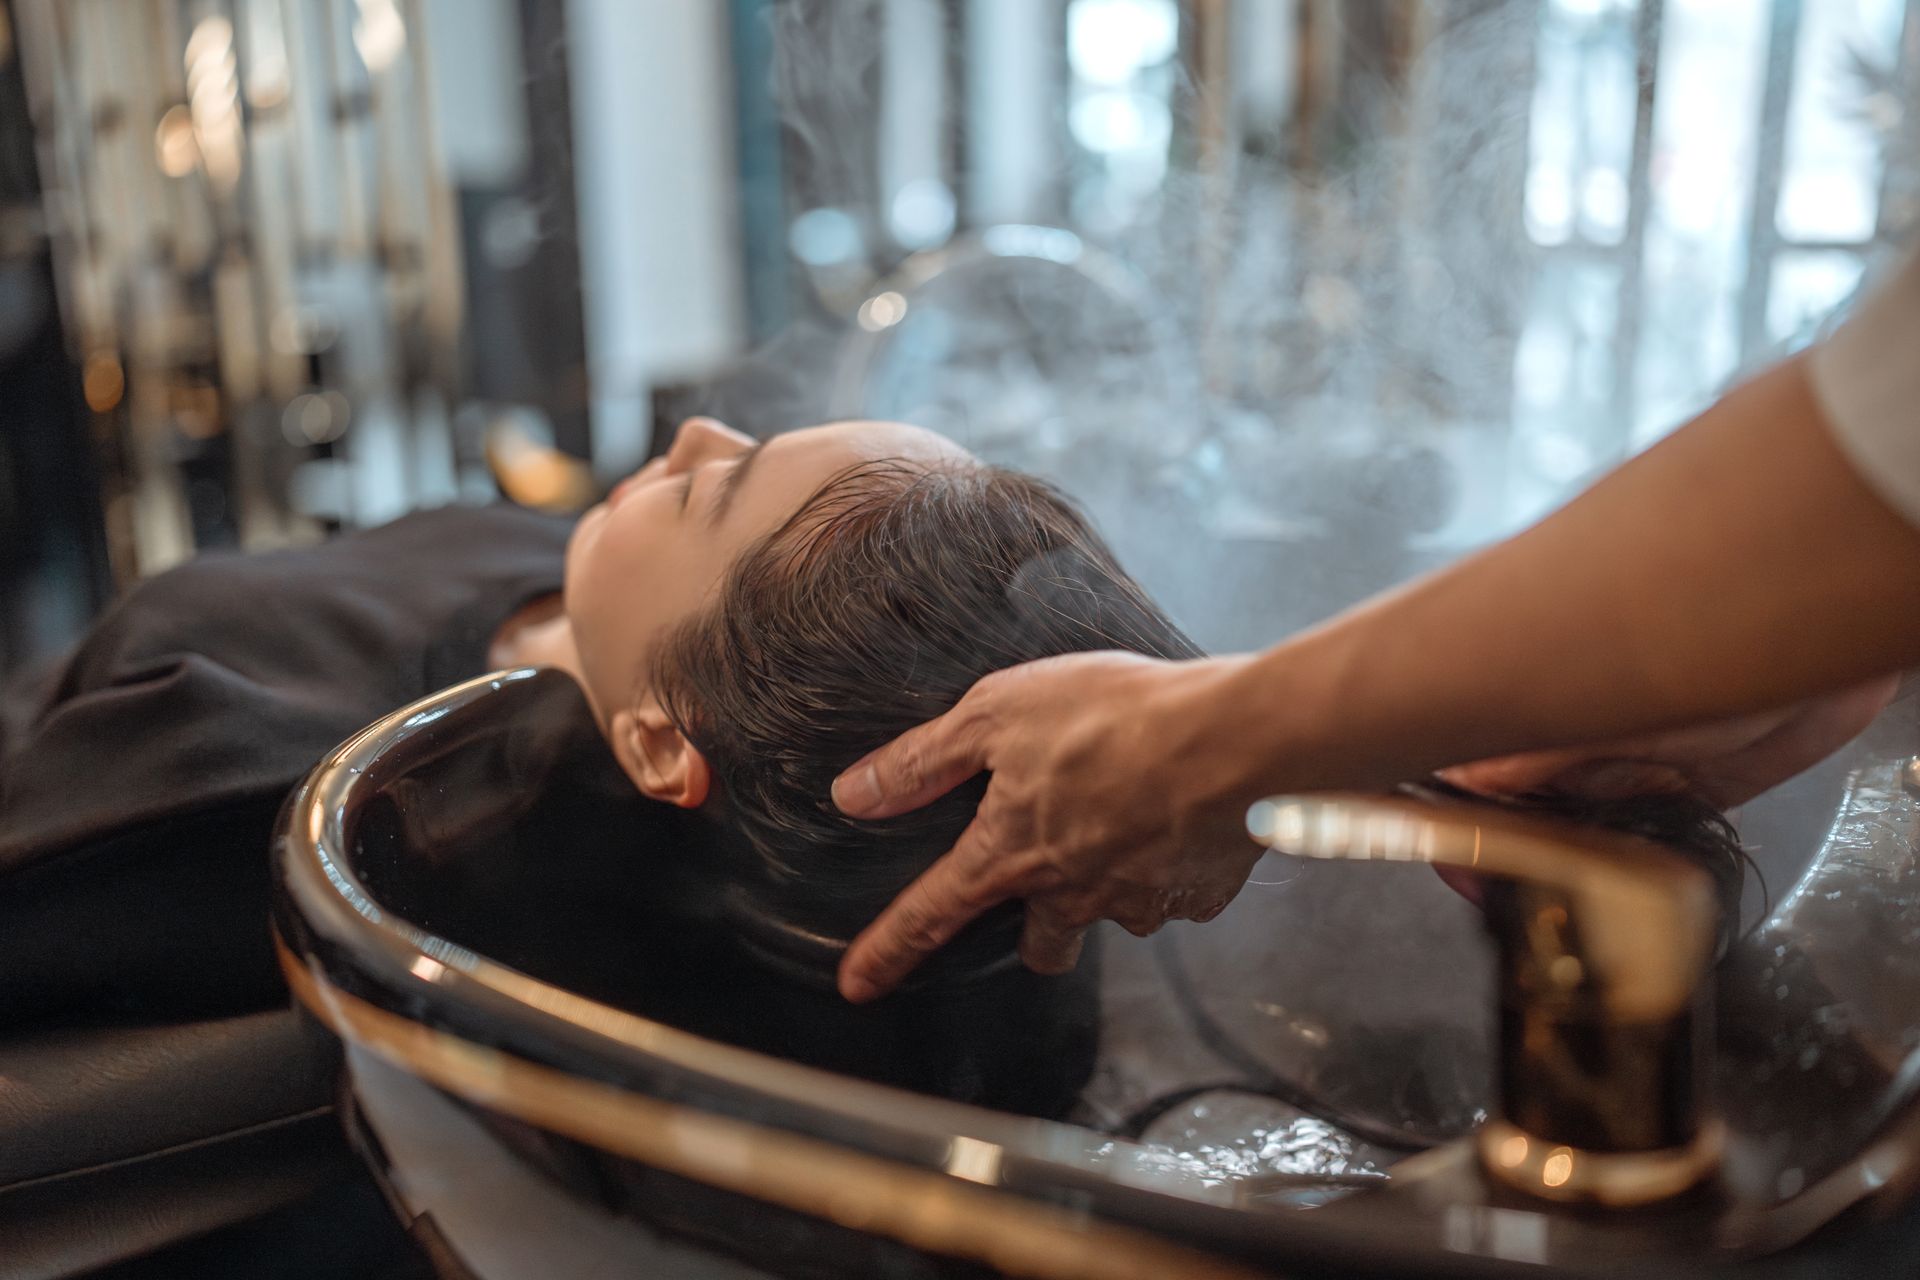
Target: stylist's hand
[(1101, 806), (1728, 762)]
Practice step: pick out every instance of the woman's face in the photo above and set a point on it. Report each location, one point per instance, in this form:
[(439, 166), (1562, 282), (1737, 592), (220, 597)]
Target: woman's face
[(655, 551)]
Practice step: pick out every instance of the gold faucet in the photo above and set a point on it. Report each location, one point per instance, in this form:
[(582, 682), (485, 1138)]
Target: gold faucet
[(1605, 1021)]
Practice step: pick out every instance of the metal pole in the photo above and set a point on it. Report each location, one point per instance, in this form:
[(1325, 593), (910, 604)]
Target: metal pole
[(1628, 319), (1763, 233)]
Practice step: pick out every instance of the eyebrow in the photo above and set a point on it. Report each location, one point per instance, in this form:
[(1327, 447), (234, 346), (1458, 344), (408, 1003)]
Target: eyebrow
[(729, 484)]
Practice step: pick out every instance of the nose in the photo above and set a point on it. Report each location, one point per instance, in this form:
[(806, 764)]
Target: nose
[(703, 440)]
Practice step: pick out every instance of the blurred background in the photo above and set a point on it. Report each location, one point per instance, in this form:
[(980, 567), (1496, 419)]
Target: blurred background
[(1299, 296)]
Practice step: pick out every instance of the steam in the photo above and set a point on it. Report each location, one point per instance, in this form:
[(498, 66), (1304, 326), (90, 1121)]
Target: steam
[(1260, 382), (1285, 368)]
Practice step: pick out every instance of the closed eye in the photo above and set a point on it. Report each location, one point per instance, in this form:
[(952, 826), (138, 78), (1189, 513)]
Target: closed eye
[(686, 490)]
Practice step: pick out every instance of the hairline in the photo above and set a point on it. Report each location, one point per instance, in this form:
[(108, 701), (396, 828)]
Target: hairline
[(911, 473)]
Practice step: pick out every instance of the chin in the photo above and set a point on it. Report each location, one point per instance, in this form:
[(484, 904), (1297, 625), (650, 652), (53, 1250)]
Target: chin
[(583, 536), (590, 520)]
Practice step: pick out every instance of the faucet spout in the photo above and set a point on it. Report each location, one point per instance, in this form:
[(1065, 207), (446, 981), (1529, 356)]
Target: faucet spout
[(1605, 1023)]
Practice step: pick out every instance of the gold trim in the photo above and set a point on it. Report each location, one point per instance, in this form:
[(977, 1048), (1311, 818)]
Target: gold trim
[(926, 1210), (1643, 916), (1616, 1179)]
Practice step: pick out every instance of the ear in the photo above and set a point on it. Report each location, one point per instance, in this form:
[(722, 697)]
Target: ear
[(659, 759)]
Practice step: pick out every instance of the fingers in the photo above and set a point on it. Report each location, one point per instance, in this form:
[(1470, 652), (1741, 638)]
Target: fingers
[(1203, 904), (1142, 914), (948, 897), (1591, 777), (1728, 761), (1621, 780), (1051, 941), (1462, 882), (1814, 732), (1049, 945), (1512, 775), (913, 770)]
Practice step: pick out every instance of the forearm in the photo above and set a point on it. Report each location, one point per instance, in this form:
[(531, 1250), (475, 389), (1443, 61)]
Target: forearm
[(1741, 563)]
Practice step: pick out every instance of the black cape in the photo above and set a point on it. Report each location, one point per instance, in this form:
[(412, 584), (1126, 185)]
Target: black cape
[(139, 777)]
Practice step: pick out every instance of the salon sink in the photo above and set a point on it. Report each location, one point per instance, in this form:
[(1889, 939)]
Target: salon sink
[(541, 1080)]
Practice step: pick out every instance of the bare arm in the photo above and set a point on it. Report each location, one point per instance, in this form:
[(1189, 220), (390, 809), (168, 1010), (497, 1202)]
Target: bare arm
[(1740, 564)]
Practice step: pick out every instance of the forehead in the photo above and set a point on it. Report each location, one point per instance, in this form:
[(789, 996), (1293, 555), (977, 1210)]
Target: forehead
[(864, 440), (795, 463)]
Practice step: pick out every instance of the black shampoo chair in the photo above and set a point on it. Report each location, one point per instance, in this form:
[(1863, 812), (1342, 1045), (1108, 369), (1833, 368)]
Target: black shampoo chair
[(162, 1110)]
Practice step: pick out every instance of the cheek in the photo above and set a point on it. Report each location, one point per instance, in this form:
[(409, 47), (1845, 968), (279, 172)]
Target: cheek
[(618, 568), (580, 572)]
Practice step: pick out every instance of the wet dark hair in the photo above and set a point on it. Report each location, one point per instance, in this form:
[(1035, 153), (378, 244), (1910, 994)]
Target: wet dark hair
[(873, 609)]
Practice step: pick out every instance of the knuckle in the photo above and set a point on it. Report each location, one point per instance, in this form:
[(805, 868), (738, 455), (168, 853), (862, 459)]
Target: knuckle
[(986, 692), (992, 886), (1140, 921), (978, 709), (1001, 859), (973, 739), (909, 767), (1077, 915), (918, 933), (1045, 876), (1209, 911), (1041, 914), (1052, 917)]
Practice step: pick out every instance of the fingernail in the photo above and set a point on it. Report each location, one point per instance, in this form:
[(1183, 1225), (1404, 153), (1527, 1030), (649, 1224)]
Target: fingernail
[(857, 791), (858, 990)]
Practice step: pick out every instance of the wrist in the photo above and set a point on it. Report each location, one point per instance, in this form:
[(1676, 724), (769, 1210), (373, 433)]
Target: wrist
[(1243, 727), (1292, 718)]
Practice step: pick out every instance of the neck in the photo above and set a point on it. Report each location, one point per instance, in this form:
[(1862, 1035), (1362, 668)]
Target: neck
[(539, 635)]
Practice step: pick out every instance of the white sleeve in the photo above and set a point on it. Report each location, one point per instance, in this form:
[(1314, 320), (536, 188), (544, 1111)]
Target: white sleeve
[(1866, 377)]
